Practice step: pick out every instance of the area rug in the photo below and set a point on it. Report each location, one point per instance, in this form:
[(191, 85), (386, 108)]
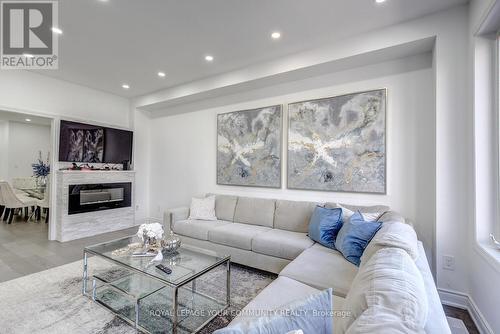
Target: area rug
[(51, 302)]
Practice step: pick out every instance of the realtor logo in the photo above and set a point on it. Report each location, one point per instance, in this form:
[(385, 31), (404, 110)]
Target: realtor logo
[(27, 37)]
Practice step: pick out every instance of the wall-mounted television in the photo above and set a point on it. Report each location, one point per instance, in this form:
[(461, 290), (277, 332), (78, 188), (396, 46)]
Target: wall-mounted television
[(79, 142)]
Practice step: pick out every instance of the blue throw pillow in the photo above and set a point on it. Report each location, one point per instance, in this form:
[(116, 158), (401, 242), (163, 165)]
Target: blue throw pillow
[(324, 225), (311, 315), (354, 236)]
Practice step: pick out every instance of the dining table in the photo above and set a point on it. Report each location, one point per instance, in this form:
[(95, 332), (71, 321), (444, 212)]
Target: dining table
[(37, 192)]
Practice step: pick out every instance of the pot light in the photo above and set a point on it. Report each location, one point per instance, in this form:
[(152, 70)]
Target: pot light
[(209, 58), (56, 30), (28, 120), (380, 1), (28, 55), (161, 74), (276, 35), (125, 86)]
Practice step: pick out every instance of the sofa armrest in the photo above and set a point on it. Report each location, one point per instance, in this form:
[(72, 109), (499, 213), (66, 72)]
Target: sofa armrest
[(175, 214)]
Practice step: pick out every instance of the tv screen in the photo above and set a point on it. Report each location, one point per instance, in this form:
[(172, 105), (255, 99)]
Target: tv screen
[(80, 142)]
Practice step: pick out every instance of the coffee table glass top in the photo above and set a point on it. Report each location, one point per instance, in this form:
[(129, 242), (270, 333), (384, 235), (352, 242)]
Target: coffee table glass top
[(186, 263)]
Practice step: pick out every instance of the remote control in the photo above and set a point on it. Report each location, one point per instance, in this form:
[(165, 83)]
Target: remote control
[(143, 254), (166, 270)]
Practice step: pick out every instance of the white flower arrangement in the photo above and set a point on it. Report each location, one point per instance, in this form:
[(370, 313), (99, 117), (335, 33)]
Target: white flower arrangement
[(152, 230)]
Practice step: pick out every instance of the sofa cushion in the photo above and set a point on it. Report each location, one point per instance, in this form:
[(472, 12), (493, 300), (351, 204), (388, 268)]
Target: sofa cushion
[(279, 293), (236, 235), (390, 282), (279, 243), (322, 268), (197, 229), (255, 211), (225, 205), (293, 216)]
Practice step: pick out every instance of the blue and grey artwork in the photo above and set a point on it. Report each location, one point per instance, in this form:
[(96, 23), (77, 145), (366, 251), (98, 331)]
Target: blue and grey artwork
[(338, 143), (249, 147)]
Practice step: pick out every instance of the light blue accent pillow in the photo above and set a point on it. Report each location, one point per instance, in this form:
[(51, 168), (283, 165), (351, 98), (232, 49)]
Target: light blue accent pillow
[(324, 225), (354, 236), (312, 315)]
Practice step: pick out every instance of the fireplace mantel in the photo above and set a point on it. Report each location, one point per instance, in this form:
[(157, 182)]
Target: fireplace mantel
[(81, 225)]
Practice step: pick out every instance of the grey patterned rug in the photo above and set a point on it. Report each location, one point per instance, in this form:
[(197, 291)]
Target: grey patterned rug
[(51, 302)]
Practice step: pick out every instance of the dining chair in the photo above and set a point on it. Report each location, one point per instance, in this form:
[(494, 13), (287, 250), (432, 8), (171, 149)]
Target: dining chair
[(44, 203), (13, 202)]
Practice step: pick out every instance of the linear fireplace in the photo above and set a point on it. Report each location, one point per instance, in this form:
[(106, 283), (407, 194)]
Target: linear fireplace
[(96, 197)]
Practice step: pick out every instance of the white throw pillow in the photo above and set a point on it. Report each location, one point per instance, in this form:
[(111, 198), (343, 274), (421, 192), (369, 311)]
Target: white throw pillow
[(202, 208), (367, 216), (391, 284)]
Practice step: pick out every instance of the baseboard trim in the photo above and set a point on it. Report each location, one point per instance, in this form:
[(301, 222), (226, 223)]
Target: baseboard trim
[(465, 302)]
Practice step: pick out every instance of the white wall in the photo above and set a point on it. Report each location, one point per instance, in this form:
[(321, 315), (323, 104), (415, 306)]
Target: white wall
[(453, 168), (142, 160), (31, 93), (184, 146), (484, 261), (27, 91), (4, 138), (23, 145)]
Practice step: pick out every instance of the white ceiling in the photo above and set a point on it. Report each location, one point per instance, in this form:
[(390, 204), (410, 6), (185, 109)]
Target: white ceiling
[(107, 43), (6, 116)]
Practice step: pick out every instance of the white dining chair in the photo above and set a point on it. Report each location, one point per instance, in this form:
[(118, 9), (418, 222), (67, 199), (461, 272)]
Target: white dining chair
[(44, 204), (12, 202)]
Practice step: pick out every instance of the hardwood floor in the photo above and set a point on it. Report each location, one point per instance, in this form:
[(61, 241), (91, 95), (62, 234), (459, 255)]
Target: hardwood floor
[(25, 249)]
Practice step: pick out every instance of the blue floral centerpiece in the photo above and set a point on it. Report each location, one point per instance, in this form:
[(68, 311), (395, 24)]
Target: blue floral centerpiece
[(41, 169)]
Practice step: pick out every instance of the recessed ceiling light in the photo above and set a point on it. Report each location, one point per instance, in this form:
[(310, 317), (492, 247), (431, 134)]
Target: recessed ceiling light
[(380, 1), (209, 58), (125, 86), (28, 120), (161, 74), (56, 30), (28, 55), (276, 35)]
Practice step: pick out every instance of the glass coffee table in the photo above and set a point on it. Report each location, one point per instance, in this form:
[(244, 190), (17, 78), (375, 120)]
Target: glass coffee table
[(184, 301)]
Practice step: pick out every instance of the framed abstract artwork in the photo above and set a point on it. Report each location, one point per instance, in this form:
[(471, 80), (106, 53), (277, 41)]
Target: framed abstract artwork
[(338, 143), (249, 147), (86, 145)]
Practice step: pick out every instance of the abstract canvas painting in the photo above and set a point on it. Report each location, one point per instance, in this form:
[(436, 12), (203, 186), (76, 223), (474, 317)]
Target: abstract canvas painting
[(249, 147), (338, 143), (86, 145)]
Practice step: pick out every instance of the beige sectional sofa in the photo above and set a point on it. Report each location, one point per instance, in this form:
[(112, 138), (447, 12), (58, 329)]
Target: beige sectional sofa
[(271, 235)]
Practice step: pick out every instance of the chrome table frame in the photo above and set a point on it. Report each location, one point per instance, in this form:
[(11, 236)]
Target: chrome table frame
[(191, 279)]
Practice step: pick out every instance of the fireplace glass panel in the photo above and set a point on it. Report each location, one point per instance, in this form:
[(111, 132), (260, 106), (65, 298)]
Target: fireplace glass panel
[(97, 197)]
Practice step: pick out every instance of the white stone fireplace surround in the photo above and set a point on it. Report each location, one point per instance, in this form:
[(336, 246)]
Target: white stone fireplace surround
[(81, 225)]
